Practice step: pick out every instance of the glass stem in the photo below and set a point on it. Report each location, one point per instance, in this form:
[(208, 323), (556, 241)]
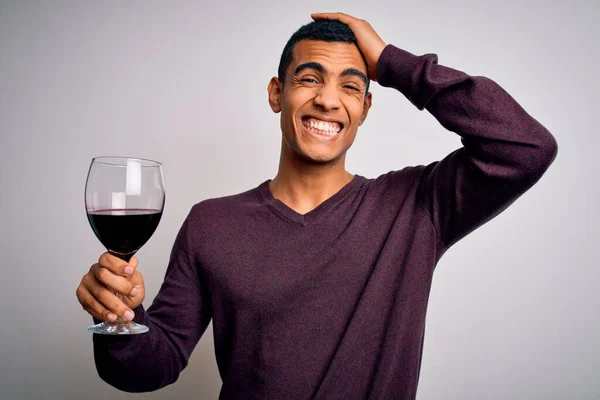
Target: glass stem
[(126, 258)]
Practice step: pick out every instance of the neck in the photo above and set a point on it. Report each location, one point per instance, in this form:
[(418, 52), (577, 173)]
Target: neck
[(302, 186)]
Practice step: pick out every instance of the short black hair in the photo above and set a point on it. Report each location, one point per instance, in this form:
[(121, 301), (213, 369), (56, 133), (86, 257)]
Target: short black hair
[(322, 30)]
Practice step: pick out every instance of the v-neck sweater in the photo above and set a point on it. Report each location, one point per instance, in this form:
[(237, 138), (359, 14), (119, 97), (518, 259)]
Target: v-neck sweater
[(332, 304), (315, 214)]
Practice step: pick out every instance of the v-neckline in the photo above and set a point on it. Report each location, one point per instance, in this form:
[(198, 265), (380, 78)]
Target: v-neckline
[(316, 213)]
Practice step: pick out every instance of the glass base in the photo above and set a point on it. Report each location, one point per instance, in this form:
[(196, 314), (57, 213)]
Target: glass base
[(119, 327)]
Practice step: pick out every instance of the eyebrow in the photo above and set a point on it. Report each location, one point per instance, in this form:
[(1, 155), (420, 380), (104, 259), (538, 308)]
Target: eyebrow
[(319, 68), (355, 72)]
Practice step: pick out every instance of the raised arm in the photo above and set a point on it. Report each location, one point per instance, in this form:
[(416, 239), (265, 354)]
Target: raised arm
[(505, 150), (177, 319)]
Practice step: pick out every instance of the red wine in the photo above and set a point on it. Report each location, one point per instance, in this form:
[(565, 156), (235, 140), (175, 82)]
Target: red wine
[(124, 231)]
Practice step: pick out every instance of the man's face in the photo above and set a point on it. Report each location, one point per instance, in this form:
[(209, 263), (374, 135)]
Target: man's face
[(323, 100)]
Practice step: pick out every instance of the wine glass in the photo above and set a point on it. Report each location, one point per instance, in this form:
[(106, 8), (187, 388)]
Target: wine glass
[(124, 201)]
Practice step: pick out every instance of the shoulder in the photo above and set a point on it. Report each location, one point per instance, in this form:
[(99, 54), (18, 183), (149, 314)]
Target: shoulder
[(225, 207), (214, 222), (397, 181)]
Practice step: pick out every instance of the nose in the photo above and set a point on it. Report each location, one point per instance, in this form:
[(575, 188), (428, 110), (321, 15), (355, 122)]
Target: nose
[(328, 98)]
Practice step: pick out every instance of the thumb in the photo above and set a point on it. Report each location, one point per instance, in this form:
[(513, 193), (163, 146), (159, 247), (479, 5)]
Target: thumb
[(139, 292)]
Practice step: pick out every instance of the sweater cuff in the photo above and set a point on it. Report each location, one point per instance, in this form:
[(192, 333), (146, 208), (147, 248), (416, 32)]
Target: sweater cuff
[(394, 68)]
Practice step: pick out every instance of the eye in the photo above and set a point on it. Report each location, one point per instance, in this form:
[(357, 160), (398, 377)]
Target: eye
[(352, 87), (309, 80)]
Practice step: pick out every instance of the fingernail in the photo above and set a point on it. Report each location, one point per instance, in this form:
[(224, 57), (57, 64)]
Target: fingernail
[(128, 270), (128, 315), (133, 291), (110, 317)]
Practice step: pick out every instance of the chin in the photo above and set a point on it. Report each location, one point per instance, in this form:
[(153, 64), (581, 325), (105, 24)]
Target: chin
[(320, 159)]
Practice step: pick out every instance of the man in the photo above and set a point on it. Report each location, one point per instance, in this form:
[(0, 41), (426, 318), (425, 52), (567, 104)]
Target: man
[(317, 281)]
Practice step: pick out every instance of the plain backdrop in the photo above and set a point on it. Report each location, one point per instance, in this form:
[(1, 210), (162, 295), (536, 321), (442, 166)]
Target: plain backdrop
[(514, 307)]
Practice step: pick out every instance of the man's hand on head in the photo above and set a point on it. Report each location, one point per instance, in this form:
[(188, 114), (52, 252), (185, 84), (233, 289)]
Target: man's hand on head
[(369, 42)]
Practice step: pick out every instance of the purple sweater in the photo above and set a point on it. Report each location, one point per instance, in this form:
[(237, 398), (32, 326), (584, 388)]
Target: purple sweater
[(332, 304)]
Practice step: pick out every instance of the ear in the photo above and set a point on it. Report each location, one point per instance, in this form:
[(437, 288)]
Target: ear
[(366, 107), (275, 89)]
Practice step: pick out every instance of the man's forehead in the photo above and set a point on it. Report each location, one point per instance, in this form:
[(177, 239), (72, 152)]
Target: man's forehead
[(338, 55)]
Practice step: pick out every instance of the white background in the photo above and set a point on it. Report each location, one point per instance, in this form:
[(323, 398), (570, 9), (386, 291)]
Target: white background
[(514, 307)]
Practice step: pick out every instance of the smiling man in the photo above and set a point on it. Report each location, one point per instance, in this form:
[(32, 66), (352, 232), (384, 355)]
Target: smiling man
[(317, 281), (322, 94)]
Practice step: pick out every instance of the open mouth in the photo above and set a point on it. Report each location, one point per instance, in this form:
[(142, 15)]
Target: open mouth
[(322, 128)]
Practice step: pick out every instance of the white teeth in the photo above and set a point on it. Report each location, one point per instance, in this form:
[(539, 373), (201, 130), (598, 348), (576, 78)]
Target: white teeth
[(327, 128)]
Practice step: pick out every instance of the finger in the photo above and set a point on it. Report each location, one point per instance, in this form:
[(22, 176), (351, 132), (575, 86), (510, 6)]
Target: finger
[(133, 262), (116, 265), (138, 292), (137, 280), (345, 18), (117, 283), (92, 306), (107, 298)]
